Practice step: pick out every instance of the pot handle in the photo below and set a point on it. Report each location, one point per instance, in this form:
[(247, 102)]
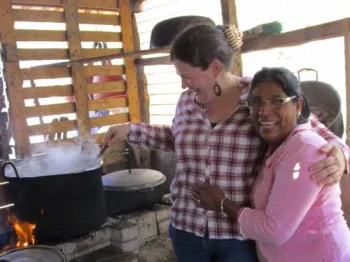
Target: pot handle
[(308, 69), (12, 165)]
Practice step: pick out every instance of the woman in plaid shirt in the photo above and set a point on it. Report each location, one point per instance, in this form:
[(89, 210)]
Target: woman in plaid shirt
[(215, 142)]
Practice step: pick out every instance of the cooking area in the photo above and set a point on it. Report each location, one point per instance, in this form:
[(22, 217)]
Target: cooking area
[(61, 193), (64, 197)]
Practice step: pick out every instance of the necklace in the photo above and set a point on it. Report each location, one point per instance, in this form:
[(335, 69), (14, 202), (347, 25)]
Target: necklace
[(201, 105)]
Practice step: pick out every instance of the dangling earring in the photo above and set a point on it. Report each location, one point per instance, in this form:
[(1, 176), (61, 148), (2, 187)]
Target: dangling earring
[(217, 89)]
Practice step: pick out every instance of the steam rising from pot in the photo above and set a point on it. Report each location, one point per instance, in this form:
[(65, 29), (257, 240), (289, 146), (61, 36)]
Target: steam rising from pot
[(58, 160)]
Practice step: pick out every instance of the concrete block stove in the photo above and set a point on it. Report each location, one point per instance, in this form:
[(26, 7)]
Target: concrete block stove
[(124, 233)]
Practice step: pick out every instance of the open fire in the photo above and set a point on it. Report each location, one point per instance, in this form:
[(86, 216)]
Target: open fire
[(24, 232), (21, 235)]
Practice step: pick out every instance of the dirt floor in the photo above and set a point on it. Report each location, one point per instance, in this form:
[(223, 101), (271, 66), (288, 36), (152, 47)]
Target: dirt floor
[(156, 250)]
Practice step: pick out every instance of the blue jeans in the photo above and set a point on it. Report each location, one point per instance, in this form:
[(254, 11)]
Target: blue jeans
[(191, 248)]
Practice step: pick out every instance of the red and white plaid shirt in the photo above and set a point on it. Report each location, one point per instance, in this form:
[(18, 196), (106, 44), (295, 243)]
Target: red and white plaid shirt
[(228, 156)]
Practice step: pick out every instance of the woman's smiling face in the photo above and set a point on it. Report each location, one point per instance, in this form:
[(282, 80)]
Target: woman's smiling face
[(273, 113)]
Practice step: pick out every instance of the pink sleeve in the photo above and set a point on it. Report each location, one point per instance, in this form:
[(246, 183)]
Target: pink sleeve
[(323, 131), (292, 195)]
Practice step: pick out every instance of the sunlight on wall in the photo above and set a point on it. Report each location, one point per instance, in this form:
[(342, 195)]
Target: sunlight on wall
[(292, 14)]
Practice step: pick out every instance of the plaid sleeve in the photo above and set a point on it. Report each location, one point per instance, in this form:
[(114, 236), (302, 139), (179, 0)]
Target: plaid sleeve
[(323, 131), (159, 137), (153, 137)]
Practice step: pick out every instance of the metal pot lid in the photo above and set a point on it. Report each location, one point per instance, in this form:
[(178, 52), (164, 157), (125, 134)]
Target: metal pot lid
[(135, 179), (35, 253)]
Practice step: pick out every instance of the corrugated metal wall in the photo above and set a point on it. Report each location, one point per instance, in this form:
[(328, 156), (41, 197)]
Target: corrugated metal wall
[(164, 85)]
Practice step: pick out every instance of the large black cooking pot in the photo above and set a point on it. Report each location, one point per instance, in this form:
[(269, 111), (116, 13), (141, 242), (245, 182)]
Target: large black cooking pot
[(62, 206), (133, 189)]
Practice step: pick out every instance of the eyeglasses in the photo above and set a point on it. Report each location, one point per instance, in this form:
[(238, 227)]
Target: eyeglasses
[(273, 102)]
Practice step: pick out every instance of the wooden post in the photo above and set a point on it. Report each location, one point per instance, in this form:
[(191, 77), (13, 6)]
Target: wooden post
[(142, 156), (79, 82), (13, 80), (229, 16), (141, 79), (130, 68)]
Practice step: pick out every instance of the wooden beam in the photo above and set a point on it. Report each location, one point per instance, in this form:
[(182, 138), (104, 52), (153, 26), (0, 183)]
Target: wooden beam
[(297, 37), (106, 87), (45, 73), (141, 79), (113, 55), (58, 17), (130, 68), (13, 80), (40, 35), (40, 54), (79, 82), (66, 108), (48, 54), (99, 19), (69, 107), (163, 60), (52, 128), (48, 110), (38, 16), (88, 36), (108, 103), (93, 52), (91, 4), (47, 35), (229, 17), (104, 70), (36, 2), (58, 72), (48, 91), (108, 120), (101, 4), (52, 91)]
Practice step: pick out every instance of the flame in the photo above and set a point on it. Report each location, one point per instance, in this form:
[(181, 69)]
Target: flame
[(24, 232)]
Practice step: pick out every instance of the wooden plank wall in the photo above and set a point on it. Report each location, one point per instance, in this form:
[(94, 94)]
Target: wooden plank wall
[(45, 32)]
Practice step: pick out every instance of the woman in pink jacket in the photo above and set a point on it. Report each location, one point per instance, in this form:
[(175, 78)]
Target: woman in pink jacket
[(291, 218)]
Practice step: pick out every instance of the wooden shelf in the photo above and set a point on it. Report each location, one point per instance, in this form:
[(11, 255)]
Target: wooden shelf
[(292, 38), (297, 37)]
